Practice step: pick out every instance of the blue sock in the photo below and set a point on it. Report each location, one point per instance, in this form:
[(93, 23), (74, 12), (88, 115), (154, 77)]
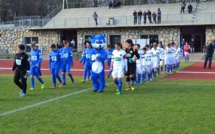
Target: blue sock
[(143, 77), (59, 79), (120, 85), (168, 68), (155, 72), (40, 80), (188, 59), (171, 68), (116, 82), (149, 77), (70, 75), (32, 82), (54, 80), (165, 68), (138, 78), (64, 78), (158, 69)]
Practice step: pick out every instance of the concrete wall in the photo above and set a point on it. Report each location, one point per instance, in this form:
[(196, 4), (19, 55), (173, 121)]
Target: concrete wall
[(10, 38), (165, 34)]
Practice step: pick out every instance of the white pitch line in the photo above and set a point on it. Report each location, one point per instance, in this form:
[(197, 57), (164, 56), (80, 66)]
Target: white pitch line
[(45, 69), (184, 84), (47, 101)]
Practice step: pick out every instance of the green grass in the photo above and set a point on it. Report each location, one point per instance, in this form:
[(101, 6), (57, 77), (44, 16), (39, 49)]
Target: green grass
[(165, 106)]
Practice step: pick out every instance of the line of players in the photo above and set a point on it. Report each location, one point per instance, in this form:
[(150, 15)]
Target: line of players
[(153, 61), (60, 60)]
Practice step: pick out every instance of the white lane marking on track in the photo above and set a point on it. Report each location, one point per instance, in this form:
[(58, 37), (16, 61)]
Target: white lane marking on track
[(47, 101), (185, 84)]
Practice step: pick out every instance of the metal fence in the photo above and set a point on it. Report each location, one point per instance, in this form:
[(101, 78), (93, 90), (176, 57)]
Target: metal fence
[(166, 19)]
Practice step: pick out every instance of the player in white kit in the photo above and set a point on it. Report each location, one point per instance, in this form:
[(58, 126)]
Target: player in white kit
[(162, 57), (155, 59), (148, 64), (139, 68), (169, 60), (118, 66)]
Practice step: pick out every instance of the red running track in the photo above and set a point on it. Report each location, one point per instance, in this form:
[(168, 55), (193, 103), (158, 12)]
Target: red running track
[(195, 71), (77, 70)]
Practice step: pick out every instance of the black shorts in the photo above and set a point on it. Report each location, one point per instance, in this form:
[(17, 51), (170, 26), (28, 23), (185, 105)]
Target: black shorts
[(131, 69)]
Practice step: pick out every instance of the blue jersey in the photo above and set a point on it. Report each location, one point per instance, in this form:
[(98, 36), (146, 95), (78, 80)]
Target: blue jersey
[(55, 59), (86, 55), (35, 58), (109, 54), (66, 56)]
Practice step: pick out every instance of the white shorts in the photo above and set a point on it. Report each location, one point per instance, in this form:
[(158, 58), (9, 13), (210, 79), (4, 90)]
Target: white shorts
[(186, 53), (155, 64), (161, 62), (139, 69), (169, 61), (177, 59), (118, 72), (148, 68)]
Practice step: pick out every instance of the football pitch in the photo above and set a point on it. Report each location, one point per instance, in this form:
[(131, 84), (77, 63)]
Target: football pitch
[(164, 106)]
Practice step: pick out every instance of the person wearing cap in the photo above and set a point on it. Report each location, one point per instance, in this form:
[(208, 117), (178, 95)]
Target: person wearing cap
[(20, 68), (35, 66)]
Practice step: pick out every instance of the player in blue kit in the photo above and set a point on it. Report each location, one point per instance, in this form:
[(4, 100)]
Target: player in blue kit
[(109, 52), (35, 64), (86, 60), (54, 65), (67, 62)]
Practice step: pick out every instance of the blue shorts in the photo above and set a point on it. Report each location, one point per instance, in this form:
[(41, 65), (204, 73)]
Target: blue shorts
[(66, 68), (35, 71), (55, 70)]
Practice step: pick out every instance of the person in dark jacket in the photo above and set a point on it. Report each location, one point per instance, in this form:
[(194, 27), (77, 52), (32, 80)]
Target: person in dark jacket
[(144, 17), (149, 16), (110, 4), (209, 55), (183, 5), (139, 16), (190, 8), (154, 16), (159, 15), (21, 67), (135, 17), (192, 46)]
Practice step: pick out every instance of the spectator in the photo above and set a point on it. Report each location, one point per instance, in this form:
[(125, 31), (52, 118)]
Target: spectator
[(209, 55), (149, 16), (110, 4), (144, 17), (73, 43), (197, 1), (190, 8), (183, 5), (114, 4), (135, 17), (119, 4), (139, 16), (186, 52), (154, 15), (192, 46), (183, 42), (159, 15), (95, 16)]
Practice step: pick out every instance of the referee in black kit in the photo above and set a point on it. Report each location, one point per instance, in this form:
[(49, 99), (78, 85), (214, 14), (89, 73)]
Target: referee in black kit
[(21, 66)]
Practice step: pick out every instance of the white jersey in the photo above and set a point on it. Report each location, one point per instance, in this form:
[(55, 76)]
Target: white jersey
[(139, 61), (148, 59), (162, 53), (118, 59), (143, 59), (179, 51), (170, 52), (155, 54)]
